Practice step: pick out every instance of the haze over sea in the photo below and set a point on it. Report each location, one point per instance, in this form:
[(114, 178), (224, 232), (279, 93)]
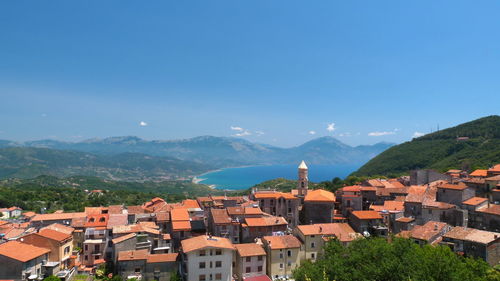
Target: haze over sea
[(246, 177)]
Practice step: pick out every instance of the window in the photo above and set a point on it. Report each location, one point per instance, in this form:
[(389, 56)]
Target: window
[(218, 252), (249, 259), (86, 257), (313, 256), (218, 276), (102, 219), (202, 265), (313, 245), (281, 255), (289, 264), (218, 264), (312, 236), (202, 277), (248, 269), (203, 253), (66, 250), (86, 247), (259, 268), (289, 253), (289, 210), (259, 258), (137, 270), (430, 211), (96, 248), (281, 266)]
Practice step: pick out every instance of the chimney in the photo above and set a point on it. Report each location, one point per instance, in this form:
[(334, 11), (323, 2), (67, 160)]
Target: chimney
[(320, 229), (435, 227)]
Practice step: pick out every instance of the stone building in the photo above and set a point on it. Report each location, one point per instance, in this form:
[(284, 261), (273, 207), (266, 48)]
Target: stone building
[(279, 204), (20, 261), (318, 206), (142, 265), (250, 260)]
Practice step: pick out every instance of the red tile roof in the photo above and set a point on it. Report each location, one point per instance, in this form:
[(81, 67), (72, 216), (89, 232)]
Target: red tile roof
[(492, 209), (249, 249), (220, 216), (55, 235), (475, 201), (367, 215), (428, 230), (282, 242), (204, 241), (133, 255), (61, 228), (61, 216), (460, 186), (479, 173), (351, 188), (257, 278), (319, 195), (20, 251), (97, 220), (265, 221), (123, 238), (190, 204), (156, 258), (179, 215), (181, 225), (389, 206), (342, 231), (273, 195)]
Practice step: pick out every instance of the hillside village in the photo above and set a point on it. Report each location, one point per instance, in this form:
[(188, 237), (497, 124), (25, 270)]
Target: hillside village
[(262, 236)]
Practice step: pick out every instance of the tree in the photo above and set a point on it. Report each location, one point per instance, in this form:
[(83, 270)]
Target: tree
[(52, 278)]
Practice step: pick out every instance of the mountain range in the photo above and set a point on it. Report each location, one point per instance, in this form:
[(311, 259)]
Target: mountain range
[(468, 146), (130, 157)]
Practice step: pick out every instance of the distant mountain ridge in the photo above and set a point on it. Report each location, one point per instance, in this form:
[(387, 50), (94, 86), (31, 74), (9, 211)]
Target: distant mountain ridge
[(220, 152), (471, 145)]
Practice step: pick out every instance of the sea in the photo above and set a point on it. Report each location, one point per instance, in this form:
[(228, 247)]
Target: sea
[(246, 177)]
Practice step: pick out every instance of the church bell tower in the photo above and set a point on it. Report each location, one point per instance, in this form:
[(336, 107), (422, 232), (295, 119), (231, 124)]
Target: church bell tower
[(303, 181)]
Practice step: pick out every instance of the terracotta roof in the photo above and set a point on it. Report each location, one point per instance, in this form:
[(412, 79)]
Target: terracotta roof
[(133, 255), (405, 219), (492, 209), (342, 231), (428, 230), (29, 214), (368, 188), (389, 206), (156, 258), (117, 219), (100, 220), (273, 195), (249, 249), (61, 228), (190, 204), (181, 225), (416, 193), (220, 216), (61, 216), (3, 222), (479, 173), (179, 215), (460, 186), (367, 215), (21, 251), (204, 241), (134, 228), (319, 195), (438, 205), (475, 201), (495, 168), (96, 210), (265, 221), (135, 210), (123, 238), (473, 235), (54, 235), (257, 278), (351, 188), (78, 222), (163, 216), (253, 211), (396, 184), (115, 209), (494, 178), (282, 242)]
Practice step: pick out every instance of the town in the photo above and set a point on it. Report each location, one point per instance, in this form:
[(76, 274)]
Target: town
[(262, 236)]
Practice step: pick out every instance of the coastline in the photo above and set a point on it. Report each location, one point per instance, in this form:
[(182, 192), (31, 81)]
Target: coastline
[(198, 178)]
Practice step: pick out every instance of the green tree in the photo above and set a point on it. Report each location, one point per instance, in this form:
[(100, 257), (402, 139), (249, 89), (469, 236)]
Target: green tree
[(52, 278)]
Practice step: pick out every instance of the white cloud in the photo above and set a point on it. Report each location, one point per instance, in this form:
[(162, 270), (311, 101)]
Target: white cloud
[(143, 124), (418, 134), (236, 128), (378, 134), (312, 132), (330, 127), (346, 134), (242, 134), (259, 133)]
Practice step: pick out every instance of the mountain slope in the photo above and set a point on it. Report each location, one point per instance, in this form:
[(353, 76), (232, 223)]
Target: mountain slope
[(442, 150), (224, 151), (28, 162)]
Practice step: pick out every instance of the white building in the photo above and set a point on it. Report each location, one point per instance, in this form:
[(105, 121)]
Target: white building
[(207, 258)]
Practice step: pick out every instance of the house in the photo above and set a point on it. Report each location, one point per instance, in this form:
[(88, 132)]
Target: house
[(283, 255), (494, 171), (474, 243), (488, 218), (318, 206), (314, 236), (21, 261), (454, 193), (250, 260), (142, 265), (221, 224), (368, 222), (42, 220), (420, 177), (60, 245), (429, 233), (15, 212), (180, 226), (254, 228), (96, 239), (279, 204), (350, 199), (206, 258)]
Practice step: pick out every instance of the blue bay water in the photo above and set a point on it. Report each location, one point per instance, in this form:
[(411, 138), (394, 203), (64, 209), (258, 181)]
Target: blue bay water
[(245, 177)]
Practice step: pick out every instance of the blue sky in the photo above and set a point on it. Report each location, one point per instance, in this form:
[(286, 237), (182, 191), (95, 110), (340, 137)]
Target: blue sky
[(277, 72)]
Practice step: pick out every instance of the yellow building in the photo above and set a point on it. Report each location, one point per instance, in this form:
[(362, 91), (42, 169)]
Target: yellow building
[(283, 255)]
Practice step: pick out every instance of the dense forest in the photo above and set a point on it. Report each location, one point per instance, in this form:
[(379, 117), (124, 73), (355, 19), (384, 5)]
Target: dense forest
[(442, 150), (400, 259)]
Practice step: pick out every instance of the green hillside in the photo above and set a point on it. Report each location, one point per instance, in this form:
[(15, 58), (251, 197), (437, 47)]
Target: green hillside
[(441, 150)]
